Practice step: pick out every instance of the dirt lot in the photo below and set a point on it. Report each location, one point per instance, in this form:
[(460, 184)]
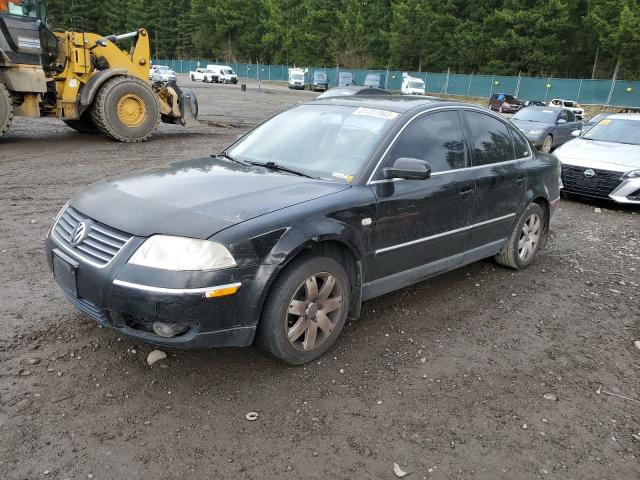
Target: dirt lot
[(446, 378)]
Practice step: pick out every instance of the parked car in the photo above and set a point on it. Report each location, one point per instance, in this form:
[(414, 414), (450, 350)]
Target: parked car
[(412, 86), (534, 103), (378, 80), (296, 79), (320, 81), (546, 128), (283, 235), (577, 110), (225, 74), (504, 103), (346, 78), (162, 73), (595, 119), (604, 161), (203, 75), (352, 90)]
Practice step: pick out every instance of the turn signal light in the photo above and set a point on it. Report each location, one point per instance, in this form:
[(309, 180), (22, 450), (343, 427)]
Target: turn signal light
[(222, 291)]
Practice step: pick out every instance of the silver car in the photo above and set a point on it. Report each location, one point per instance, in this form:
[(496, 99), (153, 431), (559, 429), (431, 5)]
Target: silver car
[(162, 73), (604, 162)]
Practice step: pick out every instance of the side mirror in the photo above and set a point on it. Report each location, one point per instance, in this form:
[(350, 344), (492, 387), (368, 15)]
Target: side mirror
[(576, 133), (409, 169), (561, 121)]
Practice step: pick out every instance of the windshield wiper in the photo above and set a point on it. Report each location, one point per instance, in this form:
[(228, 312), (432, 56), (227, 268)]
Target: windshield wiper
[(281, 168), (224, 154)]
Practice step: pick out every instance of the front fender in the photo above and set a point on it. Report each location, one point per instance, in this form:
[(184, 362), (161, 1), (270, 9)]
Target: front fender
[(93, 85)]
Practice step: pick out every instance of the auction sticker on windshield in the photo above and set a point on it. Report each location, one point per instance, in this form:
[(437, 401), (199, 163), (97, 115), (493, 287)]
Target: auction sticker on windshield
[(374, 112)]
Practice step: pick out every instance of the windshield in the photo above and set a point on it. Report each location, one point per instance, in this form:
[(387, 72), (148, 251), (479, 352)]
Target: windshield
[(159, 67), (228, 71), (534, 115), (24, 8), (320, 77), (416, 84), (568, 103), (615, 130), (297, 77), (323, 141), (510, 99)]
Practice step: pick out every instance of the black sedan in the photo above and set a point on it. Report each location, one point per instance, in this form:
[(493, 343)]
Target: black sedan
[(282, 236), (547, 128)]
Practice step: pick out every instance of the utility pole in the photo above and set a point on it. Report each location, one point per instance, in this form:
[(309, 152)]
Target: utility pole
[(595, 63)]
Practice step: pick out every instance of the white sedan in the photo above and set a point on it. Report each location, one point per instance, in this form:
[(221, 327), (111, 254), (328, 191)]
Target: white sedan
[(604, 161)]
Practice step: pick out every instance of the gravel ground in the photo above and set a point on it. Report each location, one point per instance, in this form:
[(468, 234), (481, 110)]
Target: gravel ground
[(446, 378)]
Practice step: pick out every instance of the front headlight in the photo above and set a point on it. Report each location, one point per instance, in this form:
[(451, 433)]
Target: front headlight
[(182, 254), (535, 132), (633, 174)]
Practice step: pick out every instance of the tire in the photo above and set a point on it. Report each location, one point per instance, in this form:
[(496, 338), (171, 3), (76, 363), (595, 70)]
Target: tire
[(547, 143), (513, 253), (6, 109), (84, 124), (140, 109), (193, 79), (293, 310)]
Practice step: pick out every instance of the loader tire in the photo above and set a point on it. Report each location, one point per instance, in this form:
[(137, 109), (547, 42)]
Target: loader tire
[(6, 110), (84, 124), (126, 109)]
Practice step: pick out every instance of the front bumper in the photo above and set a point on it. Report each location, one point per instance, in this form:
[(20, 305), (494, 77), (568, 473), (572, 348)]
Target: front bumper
[(605, 184), (320, 86), (536, 139), (507, 108), (130, 299)]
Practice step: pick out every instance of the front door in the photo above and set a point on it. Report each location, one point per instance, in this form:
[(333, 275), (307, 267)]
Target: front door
[(421, 225)]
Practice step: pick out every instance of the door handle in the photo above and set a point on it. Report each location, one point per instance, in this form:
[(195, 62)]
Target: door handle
[(464, 193), (520, 180)]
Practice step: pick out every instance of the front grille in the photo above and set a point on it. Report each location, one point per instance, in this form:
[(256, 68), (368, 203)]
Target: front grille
[(600, 185), (100, 244), (85, 306)]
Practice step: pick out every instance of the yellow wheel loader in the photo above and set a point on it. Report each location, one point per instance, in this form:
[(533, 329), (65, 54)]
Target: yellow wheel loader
[(83, 78)]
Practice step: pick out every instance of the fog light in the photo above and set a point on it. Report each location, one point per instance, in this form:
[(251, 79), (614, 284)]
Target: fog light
[(164, 329)]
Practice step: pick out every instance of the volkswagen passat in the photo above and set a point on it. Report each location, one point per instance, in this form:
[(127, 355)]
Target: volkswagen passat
[(604, 162), (281, 237)]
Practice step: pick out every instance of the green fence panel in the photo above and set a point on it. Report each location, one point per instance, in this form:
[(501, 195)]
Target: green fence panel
[(626, 94)]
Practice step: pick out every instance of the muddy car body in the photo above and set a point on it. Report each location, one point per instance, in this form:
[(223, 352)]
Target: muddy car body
[(217, 251)]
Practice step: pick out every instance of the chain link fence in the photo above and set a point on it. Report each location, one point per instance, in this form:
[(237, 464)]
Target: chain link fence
[(620, 93)]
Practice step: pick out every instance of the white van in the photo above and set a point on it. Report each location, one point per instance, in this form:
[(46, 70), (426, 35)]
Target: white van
[(225, 74), (412, 85), (296, 78)]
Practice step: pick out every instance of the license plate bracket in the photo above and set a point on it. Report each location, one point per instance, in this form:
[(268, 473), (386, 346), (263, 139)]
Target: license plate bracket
[(65, 272)]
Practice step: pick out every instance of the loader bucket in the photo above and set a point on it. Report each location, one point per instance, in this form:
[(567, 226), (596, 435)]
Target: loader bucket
[(177, 106)]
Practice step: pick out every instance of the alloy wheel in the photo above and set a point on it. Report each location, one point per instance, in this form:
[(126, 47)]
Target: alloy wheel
[(313, 311), (529, 237), (546, 145)]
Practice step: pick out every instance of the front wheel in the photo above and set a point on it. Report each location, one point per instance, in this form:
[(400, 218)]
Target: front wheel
[(305, 310), (547, 144), (126, 109), (525, 240), (6, 110)]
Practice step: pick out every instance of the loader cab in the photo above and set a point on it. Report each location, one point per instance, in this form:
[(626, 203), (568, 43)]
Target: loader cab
[(24, 36)]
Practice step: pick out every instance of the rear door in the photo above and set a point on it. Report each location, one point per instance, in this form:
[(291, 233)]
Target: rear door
[(501, 181), (423, 222)]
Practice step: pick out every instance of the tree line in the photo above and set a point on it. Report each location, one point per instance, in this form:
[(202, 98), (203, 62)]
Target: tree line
[(566, 38)]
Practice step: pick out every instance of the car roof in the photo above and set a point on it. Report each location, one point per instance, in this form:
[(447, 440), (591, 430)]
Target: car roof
[(625, 116), (540, 108), (392, 103)]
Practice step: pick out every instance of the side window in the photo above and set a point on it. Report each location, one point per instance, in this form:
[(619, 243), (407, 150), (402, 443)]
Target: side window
[(436, 138), (520, 143), (570, 117), (563, 115), (491, 139)]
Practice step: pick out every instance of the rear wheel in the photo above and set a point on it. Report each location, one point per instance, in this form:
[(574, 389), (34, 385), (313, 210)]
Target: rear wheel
[(126, 109), (305, 310), (6, 109), (527, 236), (84, 124)]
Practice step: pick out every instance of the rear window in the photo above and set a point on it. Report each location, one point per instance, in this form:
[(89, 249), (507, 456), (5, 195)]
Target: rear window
[(491, 139)]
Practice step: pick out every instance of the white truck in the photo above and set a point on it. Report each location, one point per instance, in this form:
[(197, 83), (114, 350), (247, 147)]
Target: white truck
[(225, 74), (296, 78), (203, 75), (412, 85)]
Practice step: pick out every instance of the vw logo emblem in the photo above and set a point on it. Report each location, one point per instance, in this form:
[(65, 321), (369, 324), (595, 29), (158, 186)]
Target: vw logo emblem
[(589, 173), (78, 234)]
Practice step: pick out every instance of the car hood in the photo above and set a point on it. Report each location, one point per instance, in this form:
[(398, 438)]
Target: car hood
[(196, 198), (529, 125), (603, 155)]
